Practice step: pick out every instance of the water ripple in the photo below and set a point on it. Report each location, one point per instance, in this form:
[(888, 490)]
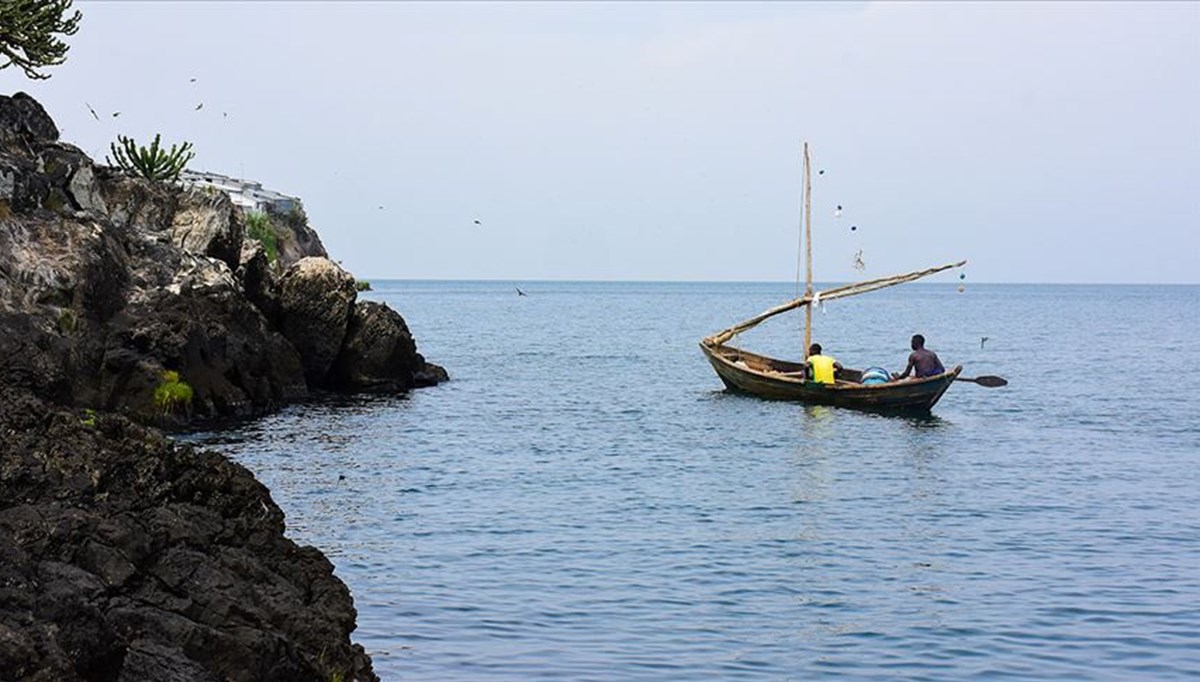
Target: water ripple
[(582, 502)]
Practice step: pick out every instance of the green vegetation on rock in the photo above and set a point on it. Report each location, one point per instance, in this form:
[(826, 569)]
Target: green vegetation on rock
[(362, 285), (173, 394), (153, 163), (28, 31), (258, 226)]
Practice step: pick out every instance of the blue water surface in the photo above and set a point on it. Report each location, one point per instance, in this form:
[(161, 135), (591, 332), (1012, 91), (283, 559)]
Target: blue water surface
[(583, 501)]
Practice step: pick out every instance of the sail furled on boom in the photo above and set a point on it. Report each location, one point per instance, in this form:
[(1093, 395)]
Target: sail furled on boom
[(827, 295)]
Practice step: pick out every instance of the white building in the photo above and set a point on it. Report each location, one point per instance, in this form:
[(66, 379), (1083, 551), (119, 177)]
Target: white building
[(248, 194)]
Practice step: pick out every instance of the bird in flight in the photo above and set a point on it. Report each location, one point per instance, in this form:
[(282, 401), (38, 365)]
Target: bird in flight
[(199, 106), (519, 292), (91, 110), (192, 79), (983, 341), (477, 222), (116, 114)]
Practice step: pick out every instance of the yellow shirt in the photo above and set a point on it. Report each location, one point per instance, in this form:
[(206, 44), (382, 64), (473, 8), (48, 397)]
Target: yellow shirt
[(822, 368)]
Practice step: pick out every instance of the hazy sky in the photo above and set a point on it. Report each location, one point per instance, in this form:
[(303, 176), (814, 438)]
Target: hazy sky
[(1044, 142)]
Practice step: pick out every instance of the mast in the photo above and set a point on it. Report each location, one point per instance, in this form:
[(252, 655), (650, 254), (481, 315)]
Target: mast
[(808, 285)]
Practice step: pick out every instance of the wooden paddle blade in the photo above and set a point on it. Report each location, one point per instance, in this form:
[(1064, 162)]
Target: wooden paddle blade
[(988, 380)]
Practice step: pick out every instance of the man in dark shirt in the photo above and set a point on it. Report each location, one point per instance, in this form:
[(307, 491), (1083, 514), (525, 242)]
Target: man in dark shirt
[(923, 360)]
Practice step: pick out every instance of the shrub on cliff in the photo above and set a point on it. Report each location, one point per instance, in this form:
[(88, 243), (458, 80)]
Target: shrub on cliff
[(28, 34), (153, 163), (258, 226), (173, 394)]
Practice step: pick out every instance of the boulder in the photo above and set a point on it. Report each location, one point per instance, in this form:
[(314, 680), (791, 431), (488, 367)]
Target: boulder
[(24, 123), (135, 203), (316, 298), (84, 191), (429, 374), (379, 352), (206, 223)]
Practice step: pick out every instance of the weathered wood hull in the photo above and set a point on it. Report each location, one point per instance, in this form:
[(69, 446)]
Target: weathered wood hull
[(759, 375)]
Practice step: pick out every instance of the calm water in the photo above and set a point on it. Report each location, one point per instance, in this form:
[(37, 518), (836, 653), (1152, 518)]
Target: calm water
[(584, 502)]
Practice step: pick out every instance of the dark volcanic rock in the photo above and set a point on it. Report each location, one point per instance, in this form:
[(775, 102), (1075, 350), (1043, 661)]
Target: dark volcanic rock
[(257, 278), (296, 239), (205, 223), (23, 122), (379, 351), (124, 556), (316, 297), (108, 281)]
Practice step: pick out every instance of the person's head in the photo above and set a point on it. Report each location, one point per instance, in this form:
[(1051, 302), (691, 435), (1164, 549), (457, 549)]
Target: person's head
[(814, 349), (918, 342)]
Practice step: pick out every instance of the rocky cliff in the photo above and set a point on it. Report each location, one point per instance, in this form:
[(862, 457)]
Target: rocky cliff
[(127, 558), (109, 282), (124, 556)]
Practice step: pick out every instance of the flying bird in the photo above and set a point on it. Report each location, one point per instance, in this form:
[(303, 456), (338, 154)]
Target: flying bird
[(519, 292), (91, 110), (192, 79), (477, 222), (983, 341), (199, 106), (853, 228), (116, 114), (821, 172)]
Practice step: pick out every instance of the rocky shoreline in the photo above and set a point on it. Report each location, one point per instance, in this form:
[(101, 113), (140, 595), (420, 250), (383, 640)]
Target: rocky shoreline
[(126, 304)]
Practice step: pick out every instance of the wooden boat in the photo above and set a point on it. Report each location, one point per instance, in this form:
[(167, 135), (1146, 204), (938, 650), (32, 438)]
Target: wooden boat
[(745, 372)]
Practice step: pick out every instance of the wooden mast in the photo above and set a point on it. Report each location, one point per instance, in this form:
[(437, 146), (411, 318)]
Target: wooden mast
[(808, 285)]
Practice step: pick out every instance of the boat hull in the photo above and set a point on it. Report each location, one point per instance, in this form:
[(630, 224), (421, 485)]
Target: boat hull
[(759, 375)]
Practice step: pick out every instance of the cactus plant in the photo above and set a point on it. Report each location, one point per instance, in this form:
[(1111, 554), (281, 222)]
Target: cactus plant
[(153, 162)]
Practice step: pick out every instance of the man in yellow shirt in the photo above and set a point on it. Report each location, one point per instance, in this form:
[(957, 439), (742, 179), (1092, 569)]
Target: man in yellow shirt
[(821, 368)]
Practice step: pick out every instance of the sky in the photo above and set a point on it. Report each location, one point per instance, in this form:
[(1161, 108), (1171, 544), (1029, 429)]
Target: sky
[(1043, 142)]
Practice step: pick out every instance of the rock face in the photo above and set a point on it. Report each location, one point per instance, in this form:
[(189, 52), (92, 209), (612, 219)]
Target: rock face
[(296, 239), (205, 223), (378, 350), (124, 556), (316, 298), (107, 282)]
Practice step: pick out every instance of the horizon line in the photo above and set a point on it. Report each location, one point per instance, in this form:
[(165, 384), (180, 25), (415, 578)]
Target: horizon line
[(554, 280)]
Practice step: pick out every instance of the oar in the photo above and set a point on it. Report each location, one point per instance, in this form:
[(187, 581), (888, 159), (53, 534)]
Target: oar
[(989, 380)]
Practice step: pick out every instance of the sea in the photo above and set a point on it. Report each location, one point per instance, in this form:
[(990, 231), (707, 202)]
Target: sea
[(584, 500)]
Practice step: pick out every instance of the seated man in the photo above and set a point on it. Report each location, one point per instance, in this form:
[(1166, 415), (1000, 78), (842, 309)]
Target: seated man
[(821, 368), (921, 359)]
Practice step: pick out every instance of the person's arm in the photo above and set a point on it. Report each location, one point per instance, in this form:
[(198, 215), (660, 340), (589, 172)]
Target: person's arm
[(908, 369)]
